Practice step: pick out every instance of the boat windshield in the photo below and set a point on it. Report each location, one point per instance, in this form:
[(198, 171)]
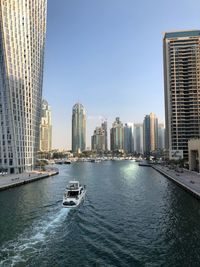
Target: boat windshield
[(72, 193)]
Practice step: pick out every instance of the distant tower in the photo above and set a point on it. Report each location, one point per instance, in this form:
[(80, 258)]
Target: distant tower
[(128, 137), (22, 43), (98, 140), (117, 136), (161, 136), (150, 133), (138, 138), (182, 88), (46, 128), (78, 128), (104, 126)]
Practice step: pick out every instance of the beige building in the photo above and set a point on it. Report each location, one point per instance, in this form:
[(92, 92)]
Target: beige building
[(98, 140), (182, 88), (46, 128), (150, 133), (22, 43), (194, 153)]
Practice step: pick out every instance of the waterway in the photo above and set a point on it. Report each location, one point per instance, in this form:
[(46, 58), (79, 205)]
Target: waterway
[(132, 216)]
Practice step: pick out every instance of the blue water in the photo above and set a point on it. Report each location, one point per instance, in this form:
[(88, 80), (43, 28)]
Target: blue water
[(132, 216)]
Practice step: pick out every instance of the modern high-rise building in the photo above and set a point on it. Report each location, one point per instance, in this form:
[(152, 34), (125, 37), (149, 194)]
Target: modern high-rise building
[(117, 136), (46, 128), (128, 138), (182, 88), (150, 133), (78, 128), (98, 140), (138, 138), (161, 136), (22, 43), (105, 128)]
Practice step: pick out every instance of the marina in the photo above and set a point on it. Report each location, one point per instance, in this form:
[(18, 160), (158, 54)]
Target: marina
[(132, 216)]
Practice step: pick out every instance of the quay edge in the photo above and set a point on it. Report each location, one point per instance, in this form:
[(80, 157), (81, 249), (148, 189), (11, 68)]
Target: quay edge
[(190, 190), (28, 180)]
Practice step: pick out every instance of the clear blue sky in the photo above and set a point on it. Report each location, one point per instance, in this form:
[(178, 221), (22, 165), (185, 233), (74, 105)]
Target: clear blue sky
[(107, 54)]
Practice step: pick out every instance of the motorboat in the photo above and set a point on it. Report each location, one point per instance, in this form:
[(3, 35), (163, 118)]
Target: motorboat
[(74, 195), (95, 160)]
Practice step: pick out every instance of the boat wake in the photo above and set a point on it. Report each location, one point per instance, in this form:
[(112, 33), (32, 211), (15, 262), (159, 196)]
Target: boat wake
[(32, 240)]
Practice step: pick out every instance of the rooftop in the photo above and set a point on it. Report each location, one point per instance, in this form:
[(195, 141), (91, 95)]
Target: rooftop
[(178, 34)]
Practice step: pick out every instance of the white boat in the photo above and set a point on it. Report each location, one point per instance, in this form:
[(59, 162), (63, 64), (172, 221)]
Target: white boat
[(74, 195)]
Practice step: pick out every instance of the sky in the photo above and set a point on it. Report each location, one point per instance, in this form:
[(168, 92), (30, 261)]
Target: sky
[(107, 55)]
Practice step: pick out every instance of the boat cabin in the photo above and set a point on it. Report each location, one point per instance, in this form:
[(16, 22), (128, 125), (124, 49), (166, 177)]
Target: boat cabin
[(73, 193), (73, 185)]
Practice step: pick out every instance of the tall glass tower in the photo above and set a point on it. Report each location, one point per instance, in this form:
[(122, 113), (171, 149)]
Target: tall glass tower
[(117, 136), (150, 133), (22, 41), (78, 128)]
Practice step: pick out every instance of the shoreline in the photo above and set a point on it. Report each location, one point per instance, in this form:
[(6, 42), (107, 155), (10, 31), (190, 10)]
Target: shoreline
[(14, 180), (189, 181)]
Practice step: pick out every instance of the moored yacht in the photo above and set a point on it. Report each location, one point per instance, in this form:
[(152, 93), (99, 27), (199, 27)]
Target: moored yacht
[(74, 195)]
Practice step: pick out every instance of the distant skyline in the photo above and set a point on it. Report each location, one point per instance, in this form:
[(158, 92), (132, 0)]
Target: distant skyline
[(108, 56)]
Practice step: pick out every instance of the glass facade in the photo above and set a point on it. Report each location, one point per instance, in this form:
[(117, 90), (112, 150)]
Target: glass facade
[(150, 133), (22, 42), (117, 136), (78, 128)]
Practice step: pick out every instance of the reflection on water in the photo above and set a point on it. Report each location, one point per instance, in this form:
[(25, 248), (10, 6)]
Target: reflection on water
[(132, 216)]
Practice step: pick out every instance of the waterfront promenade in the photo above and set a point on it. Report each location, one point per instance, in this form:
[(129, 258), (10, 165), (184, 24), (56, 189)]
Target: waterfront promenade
[(188, 180), (12, 180)]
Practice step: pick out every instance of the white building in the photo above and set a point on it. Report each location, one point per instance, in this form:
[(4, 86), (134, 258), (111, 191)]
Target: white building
[(22, 42)]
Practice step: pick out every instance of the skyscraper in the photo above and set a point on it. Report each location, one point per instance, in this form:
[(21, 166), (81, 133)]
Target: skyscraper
[(99, 140), (117, 136), (150, 133), (128, 137), (161, 136), (22, 42), (104, 126), (78, 128), (138, 138), (46, 128), (182, 88)]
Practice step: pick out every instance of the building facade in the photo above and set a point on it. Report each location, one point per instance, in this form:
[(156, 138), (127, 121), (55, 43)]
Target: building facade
[(161, 136), (78, 128), (182, 88), (105, 128), (150, 133), (138, 138), (22, 42), (117, 136), (98, 140), (46, 128), (128, 138)]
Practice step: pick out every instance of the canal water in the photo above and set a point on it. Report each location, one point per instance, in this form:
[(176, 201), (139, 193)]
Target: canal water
[(132, 216)]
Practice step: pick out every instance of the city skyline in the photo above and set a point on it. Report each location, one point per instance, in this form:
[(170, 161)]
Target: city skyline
[(113, 66)]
